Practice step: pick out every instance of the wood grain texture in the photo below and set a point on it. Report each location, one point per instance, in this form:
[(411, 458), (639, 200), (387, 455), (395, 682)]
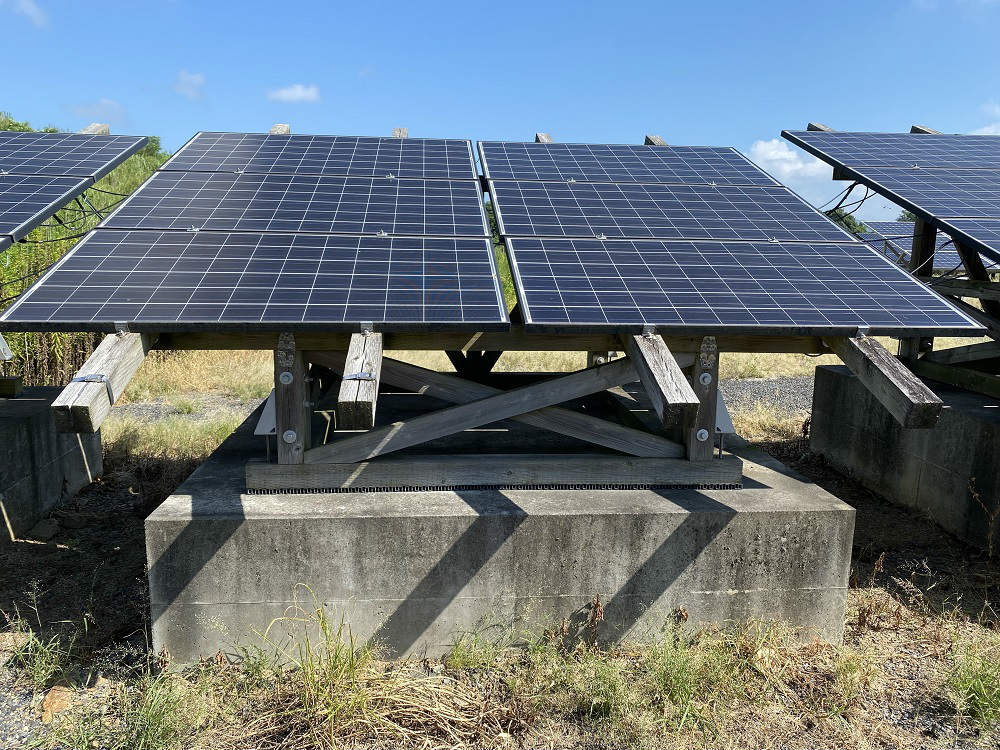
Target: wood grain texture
[(454, 419), (921, 261), (819, 126), (543, 138), (653, 140), (669, 391), (83, 407), (924, 129), (358, 398), (910, 402), (280, 129), (962, 377), (291, 410), (703, 418), (495, 470), (976, 271), (962, 354), (964, 287), (552, 418)]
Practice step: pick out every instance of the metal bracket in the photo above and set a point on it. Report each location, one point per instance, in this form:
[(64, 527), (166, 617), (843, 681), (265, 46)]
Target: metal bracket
[(5, 353), (96, 379), (863, 331), (121, 328), (359, 376)]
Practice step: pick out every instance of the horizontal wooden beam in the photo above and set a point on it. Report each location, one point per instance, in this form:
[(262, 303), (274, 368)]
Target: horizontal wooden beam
[(964, 354), (924, 129), (359, 387), (455, 419), (669, 392), (495, 470), (991, 324), (910, 402), (961, 377), (85, 403), (964, 287), (514, 340), (543, 138), (653, 140), (575, 424)]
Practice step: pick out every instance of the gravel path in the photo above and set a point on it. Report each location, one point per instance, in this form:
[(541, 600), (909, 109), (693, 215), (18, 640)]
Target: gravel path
[(18, 720), (790, 395)]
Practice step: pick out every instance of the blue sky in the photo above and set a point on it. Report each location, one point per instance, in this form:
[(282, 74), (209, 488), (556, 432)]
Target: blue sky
[(716, 73)]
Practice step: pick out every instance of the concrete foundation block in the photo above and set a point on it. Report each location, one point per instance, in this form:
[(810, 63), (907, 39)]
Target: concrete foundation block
[(414, 570), (937, 471), (38, 466)]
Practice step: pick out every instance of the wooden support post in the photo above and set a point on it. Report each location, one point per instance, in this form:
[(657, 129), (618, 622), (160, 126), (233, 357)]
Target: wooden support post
[(921, 262), (553, 418), (910, 402), (543, 138), (976, 271), (96, 128), (400, 132), (280, 129), (924, 129), (86, 402), (359, 387), (984, 290), (671, 395), (699, 428), (958, 355), (654, 140), (292, 411), (819, 126), (962, 377), (454, 419)]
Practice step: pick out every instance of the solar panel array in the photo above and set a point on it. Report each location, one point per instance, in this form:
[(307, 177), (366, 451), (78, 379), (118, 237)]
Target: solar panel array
[(42, 172), (951, 181), (251, 231), (701, 240), (895, 239)]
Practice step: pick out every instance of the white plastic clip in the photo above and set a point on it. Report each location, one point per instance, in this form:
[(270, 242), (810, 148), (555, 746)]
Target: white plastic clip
[(381, 233), (602, 236), (193, 228), (390, 176), (96, 379)]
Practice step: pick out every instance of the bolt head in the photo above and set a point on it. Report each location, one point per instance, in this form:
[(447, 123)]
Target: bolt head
[(286, 378), (705, 378), (702, 435), (289, 436)]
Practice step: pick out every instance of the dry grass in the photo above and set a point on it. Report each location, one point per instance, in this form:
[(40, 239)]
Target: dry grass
[(241, 374)]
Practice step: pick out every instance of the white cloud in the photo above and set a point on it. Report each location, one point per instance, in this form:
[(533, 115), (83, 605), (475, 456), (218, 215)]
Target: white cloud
[(297, 92), (992, 129), (786, 163), (189, 84), (992, 109), (103, 110), (29, 9)]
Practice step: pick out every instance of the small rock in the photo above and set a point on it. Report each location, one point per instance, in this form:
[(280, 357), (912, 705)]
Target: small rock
[(44, 530), (57, 700)]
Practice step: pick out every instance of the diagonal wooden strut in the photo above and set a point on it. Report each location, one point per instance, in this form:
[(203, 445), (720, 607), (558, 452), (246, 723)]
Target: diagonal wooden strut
[(454, 419), (669, 391), (553, 418)]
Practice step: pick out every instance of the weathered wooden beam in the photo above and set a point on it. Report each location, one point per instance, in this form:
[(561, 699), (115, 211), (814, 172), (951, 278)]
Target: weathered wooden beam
[(963, 354), (924, 129), (400, 132), (653, 140), (699, 427), (989, 290), (504, 470), (976, 271), (553, 418), (819, 126), (514, 340), (292, 410), (991, 324), (921, 261), (454, 419), (359, 387), (96, 128), (910, 402), (85, 403), (962, 377), (543, 138), (669, 391), (280, 128)]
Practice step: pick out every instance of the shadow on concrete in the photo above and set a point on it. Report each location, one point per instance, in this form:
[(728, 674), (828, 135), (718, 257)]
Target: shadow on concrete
[(496, 521)]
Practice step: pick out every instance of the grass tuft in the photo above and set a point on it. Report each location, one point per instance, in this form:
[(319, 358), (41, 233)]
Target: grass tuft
[(974, 681)]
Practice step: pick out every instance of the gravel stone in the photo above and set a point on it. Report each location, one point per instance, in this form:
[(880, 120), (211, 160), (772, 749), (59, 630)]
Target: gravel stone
[(789, 395)]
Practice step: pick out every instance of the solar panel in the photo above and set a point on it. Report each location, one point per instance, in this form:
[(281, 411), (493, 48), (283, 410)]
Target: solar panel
[(552, 209), (969, 193), (895, 239), (164, 281), (983, 233), (65, 154), (585, 162), (346, 156), (5, 242), (300, 203), (28, 200), (900, 149), (736, 287)]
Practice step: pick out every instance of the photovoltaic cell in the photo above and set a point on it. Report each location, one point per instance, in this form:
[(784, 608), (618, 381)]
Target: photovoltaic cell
[(708, 286), (552, 209), (300, 203), (65, 154), (983, 233), (346, 156), (967, 193), (900, 149), (172, 280), (894, 239), (28, 200), (585, 162)]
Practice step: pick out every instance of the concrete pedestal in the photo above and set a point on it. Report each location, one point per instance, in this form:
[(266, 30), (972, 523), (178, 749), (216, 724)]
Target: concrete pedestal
[(38, 466), (414, 570), (931, 470)]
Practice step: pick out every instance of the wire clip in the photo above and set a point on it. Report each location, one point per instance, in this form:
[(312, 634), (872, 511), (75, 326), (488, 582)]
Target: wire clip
[(96, 379)]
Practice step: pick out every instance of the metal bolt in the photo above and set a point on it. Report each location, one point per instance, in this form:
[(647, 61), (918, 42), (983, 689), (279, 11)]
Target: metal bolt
[(290, 436), (286, 378), (705, 378), (701, 435)]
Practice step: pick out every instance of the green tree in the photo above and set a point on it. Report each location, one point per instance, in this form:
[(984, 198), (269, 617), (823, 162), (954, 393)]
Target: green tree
[(905, 215), (845, 220)]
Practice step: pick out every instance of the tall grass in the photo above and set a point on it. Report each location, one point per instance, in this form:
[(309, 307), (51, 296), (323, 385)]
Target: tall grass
[(52, 358)]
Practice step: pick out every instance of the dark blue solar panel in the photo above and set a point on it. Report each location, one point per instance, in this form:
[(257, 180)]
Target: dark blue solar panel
[(27, 201), (349, 156), (587, 162), (894, 239), (983, 233), (65, 154), (551, 209), (176, 280), (299, 203), (5, 242), (967, 193), (734, 287), (900, 149)]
